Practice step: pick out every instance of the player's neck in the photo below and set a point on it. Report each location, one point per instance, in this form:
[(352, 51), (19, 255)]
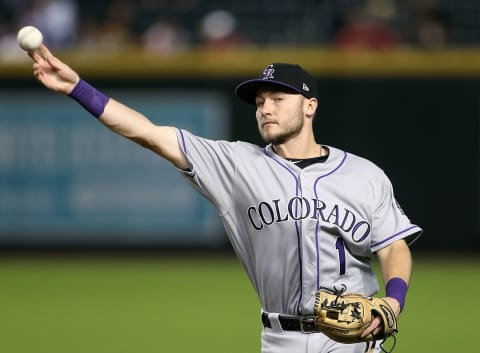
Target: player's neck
[(298, 150)]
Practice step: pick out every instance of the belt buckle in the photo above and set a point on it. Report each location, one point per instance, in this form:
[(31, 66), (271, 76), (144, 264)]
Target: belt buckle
[(308, 324)]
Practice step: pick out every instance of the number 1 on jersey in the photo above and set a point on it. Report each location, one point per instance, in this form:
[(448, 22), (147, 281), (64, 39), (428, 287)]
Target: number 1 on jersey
[(340, 246)]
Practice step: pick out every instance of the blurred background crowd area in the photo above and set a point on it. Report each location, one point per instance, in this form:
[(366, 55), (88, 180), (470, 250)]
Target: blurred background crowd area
[(166, 26)]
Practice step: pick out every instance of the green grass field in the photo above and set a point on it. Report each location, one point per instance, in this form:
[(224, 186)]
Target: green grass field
[(135, 304)]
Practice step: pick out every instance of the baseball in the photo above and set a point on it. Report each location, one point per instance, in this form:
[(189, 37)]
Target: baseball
[(29, 38)]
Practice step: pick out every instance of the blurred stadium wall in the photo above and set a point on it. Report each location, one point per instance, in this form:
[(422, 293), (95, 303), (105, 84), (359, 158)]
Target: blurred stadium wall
[(65, 180), (399, 84)]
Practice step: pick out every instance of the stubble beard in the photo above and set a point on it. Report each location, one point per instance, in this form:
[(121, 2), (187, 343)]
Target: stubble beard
[(291, 132)]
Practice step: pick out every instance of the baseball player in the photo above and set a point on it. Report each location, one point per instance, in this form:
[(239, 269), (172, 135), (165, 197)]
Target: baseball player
[(300, 215)]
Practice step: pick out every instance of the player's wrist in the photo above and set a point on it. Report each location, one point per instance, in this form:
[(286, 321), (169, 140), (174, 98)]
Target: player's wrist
[(396, 288), (394, 304), (71, 86), (89, 97)]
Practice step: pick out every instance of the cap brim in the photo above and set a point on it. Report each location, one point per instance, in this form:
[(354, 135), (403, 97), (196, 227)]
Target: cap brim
[(247, 91)]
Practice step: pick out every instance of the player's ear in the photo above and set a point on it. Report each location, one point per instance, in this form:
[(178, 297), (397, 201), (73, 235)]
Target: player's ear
[(310, 106)]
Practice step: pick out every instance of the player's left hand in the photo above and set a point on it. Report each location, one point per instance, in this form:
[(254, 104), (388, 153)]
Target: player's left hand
[(375, 326)]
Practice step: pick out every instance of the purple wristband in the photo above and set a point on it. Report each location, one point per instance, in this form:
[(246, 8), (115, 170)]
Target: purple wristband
[(90, 98), (397, 288)]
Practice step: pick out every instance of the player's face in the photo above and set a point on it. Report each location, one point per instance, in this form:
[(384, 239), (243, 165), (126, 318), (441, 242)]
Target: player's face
[(279, 115)]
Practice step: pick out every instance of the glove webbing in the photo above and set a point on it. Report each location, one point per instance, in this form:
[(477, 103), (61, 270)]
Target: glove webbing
[(369, 349)]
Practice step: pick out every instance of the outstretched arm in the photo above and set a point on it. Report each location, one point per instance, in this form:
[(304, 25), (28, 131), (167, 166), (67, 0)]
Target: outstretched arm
[(59, 77)]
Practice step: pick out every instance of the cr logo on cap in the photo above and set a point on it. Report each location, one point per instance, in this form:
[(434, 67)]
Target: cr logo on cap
[(268, 72)]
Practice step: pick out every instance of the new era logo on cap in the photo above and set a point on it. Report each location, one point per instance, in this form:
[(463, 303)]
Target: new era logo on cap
[(290, 76)]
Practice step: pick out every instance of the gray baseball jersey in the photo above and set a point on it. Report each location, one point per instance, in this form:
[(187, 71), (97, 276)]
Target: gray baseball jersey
[(296, 230)]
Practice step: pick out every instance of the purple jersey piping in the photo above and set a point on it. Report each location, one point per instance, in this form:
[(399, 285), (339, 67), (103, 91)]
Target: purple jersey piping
[(299, 238), (375, 245), (184, 147), (318, 220), (184, 144)]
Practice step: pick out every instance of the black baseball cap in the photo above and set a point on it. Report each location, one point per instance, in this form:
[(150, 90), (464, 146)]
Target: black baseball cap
[(290, 76)]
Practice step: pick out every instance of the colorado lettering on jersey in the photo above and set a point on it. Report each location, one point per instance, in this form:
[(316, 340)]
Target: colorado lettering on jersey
[(299, 208)]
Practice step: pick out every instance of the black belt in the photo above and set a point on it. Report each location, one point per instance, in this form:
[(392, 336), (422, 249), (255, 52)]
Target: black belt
[(304, 324)]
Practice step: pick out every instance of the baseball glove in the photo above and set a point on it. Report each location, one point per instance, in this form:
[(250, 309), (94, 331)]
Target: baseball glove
[(343, 318)]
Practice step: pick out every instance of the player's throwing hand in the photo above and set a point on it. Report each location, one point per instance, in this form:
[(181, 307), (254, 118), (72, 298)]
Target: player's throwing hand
[(52, 72)]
